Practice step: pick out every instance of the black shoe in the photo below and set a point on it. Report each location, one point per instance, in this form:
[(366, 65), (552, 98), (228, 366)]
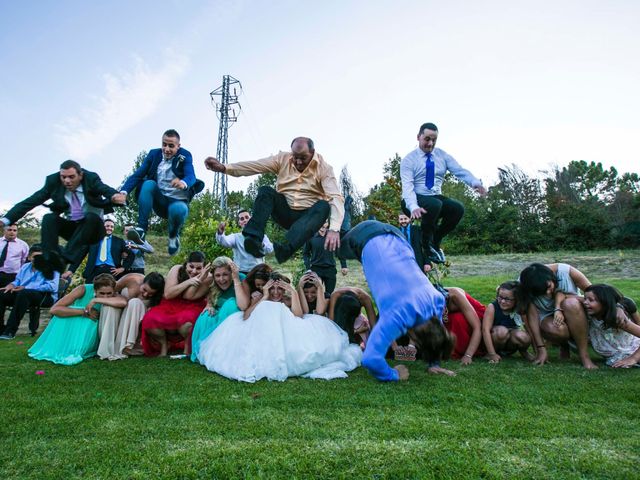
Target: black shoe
[(253, 247), (40, 263), (7, 336), (283, 252), (56, 262), (33, 334), (136, 235)]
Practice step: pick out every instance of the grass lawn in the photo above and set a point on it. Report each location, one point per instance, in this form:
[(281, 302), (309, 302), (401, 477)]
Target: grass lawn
[(159, 418)]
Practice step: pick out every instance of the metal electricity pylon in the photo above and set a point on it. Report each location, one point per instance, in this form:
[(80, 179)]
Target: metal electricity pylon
[(225, 110)]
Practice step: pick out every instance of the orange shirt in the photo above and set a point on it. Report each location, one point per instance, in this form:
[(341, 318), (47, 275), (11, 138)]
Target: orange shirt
[(301, 189)]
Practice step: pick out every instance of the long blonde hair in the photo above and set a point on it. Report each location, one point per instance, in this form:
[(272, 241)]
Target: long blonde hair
[(214, 290)]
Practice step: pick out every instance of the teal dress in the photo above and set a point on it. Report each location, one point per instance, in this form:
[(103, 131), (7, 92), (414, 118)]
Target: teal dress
[(68, 340), (205, 324)]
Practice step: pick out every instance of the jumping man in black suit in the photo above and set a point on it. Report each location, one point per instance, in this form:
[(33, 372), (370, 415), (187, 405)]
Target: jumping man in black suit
[(78, 201)]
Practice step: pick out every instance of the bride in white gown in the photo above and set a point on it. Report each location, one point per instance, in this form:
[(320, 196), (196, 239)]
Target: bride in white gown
[(271, 340)]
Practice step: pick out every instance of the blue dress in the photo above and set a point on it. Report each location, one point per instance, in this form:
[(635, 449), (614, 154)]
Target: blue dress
[(206, 323), (68, 340)]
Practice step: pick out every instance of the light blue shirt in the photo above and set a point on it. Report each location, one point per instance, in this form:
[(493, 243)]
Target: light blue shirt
[(165, 176), (32, 279), (138, 251), (413, 173), (109, 260)]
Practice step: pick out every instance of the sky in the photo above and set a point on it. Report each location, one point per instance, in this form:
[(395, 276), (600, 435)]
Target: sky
[(535, 84)]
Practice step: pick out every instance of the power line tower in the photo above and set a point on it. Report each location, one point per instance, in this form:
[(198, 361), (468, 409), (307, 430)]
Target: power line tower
[(225, 110)]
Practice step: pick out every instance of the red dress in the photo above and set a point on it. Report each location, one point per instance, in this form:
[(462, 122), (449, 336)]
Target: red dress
[(170, 314), (458, 325)]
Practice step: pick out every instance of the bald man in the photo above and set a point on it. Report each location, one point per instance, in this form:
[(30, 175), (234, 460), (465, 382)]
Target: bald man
[(306, 194)]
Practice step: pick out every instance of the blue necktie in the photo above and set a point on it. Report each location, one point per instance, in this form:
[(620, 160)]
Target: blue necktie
[(431, 172)]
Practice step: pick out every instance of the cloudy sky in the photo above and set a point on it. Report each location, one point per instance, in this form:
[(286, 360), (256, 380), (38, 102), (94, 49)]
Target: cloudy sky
[(532, 83)]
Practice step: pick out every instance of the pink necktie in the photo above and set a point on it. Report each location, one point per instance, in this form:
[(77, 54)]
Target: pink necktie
[(76, 208)]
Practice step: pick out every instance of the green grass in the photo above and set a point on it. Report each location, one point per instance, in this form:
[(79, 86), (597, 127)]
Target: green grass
[(165, 419), (158, 418)]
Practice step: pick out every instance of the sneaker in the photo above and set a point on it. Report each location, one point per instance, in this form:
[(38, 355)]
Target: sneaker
[(136, 235), (174, 245), (434, 255), (7, 336)]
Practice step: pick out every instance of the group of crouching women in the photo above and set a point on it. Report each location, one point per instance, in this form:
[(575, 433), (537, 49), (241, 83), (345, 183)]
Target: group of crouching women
[(258, 325), (243, 326)]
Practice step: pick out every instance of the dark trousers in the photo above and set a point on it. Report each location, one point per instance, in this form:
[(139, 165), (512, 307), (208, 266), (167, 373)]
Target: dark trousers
[(22, 301), (97, 270), (136, 270), (79, 235), (301, 225), (6, 278), (328, 276), (443, 214)]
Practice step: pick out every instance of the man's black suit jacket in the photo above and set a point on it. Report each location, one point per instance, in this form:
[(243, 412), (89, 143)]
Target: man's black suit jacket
[(96, 194), (118, 247), (415, 240)]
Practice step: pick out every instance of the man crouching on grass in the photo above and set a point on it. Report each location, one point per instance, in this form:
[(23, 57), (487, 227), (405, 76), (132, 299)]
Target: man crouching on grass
[(406, 300)]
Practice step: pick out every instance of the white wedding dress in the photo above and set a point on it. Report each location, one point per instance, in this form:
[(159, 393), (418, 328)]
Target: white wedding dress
[(274, 344)]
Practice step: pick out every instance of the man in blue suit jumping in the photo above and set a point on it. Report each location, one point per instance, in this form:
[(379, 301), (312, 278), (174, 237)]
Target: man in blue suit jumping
[(164, 183)]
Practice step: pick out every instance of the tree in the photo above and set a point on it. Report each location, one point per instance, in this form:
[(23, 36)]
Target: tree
[(349, 190), (516, 211), (383, 201)]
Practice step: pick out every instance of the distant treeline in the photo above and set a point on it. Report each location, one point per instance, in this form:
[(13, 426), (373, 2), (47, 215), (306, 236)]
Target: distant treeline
[(578, 207)]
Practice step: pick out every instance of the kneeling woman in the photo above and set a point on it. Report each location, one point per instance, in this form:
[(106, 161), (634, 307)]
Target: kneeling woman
[(168, 325), (615, 337), (72, 333), (226, 296), (271, 341)]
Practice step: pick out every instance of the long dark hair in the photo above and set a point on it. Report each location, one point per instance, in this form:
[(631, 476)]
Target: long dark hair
[(435, 341), (262, 272), (156, 282), (194, 257), (609, 297), (346, 310), (534, 282)]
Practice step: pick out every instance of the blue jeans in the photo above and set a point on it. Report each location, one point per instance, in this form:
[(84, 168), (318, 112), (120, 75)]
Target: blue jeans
[(151, 198)]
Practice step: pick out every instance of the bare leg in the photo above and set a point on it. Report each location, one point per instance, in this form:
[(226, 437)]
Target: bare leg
[(578, 325), (185, 331), (520, 340), (160, 336), (499, 336)]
